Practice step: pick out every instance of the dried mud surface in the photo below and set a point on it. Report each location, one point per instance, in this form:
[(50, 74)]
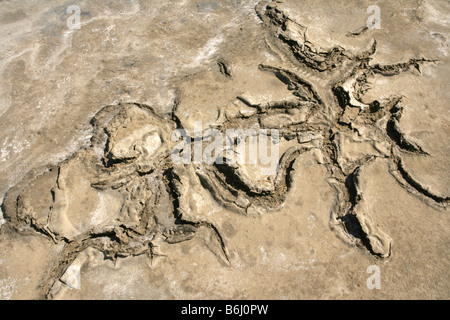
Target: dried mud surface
[(94, 207)]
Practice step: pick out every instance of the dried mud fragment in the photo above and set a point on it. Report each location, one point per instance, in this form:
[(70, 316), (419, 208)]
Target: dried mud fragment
[(379, 242), (294, 35)]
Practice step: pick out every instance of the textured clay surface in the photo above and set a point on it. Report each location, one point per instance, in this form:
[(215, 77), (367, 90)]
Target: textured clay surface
[(95, 207)]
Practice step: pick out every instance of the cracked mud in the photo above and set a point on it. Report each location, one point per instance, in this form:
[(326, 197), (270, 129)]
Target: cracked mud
[(354, 180)]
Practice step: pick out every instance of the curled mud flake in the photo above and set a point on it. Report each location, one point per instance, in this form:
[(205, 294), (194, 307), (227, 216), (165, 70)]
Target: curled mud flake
[(405, 178), (348, 93), (354, 214), (395, 133), (224, 67), (378, 242), (360, 31), (294, 35), (72, 276), (180, 233), (396, 69)]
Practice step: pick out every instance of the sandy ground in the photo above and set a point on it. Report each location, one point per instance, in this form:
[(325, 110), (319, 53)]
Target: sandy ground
[(353, 205)]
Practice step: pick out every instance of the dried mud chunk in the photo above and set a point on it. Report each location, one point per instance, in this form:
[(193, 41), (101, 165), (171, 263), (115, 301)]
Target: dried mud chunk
[(35, 202), (294, 35), (281, 120), (78, 207), (195, 203), (72, 277), (224, 194), (224, 67), (380, 243), (349, 91), (135, 134), (238, 109), (181, 233), (139, 200), (163, 210), (243, 190), (140, 141)]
